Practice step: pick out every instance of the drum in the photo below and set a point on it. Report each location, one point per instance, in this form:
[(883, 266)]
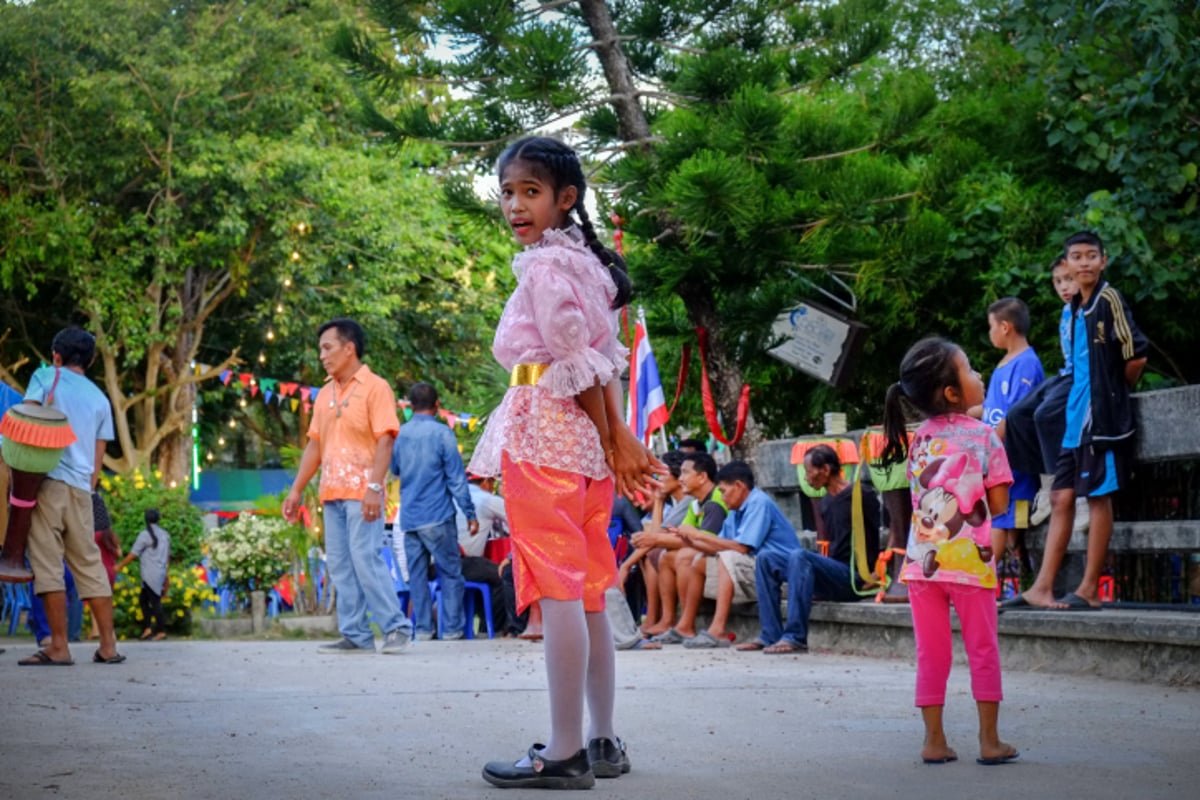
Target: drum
[(34, 440)]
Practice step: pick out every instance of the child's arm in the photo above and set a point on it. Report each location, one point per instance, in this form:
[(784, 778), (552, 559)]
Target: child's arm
[(997, 500), (633, 465), (125, 561), (1133, 371)]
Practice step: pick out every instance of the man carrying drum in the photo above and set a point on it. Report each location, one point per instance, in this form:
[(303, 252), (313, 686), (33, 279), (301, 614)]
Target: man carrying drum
[(61, 525)]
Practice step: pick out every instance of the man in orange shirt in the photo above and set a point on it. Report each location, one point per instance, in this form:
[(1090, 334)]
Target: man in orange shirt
[(350, 439)]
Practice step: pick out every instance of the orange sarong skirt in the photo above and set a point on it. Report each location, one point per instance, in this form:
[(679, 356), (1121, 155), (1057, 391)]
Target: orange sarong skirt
[(558, 521)]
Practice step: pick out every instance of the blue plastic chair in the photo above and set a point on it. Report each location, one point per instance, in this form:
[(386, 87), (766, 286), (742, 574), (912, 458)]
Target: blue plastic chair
[(18, 599), (469, 589)]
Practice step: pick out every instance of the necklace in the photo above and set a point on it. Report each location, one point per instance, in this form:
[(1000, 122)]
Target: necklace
[(334, 404)]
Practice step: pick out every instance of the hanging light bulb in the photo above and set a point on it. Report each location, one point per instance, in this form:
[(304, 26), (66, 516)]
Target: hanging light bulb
[(221, 441), (271, 331), (295, 255), (242, 403), (262, 358), (233, 423), (287, 283)]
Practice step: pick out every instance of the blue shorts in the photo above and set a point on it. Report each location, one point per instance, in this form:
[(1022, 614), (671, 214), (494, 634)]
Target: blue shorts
[(1090, 472)]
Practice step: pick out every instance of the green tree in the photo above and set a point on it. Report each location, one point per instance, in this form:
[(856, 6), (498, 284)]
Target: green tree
[(166, 164)]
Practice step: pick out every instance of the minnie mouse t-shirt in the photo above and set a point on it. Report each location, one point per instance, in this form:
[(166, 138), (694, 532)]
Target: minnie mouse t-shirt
[(952, 461)]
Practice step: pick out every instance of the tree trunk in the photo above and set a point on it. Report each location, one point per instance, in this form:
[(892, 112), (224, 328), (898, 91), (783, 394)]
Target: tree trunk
[(633, 126), (631, 119), (723, 370)]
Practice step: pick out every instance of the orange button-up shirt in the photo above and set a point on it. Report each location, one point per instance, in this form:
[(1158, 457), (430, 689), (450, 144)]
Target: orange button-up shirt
[(346, 423)]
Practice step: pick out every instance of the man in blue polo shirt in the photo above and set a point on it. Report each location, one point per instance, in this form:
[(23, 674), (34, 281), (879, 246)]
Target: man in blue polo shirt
[(754, 525)]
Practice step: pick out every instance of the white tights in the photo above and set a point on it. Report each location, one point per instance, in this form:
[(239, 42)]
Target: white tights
[(580, 664)]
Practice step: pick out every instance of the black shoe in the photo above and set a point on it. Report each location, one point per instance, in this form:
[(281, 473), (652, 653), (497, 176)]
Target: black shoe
[(542, 773), (607, 758)]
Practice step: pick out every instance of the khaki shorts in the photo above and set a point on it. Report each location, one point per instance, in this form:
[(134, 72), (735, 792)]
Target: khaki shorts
[(740, 567), (62, 527)]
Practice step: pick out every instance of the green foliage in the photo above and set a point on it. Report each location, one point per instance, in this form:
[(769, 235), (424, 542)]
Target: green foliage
[(186, 593), (129, 496)]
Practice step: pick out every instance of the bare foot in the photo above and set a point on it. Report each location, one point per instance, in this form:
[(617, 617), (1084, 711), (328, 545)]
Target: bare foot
[(654, 630), (997, 753), (1039, 598), (687, 634), (931, 754)]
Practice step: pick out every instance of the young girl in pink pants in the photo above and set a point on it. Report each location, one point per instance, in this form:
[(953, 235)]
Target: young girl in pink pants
[(959, 476)]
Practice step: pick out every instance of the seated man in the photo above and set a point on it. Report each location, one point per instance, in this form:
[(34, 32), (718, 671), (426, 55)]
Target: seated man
[(668, 510), (755, 526), (808, 573), (489, 511), (703, 516)]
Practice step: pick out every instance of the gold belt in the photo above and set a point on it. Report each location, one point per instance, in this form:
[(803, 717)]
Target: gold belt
[(527, 374)]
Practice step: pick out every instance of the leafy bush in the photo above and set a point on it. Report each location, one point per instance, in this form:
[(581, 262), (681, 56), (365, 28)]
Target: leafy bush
[(251, 552), (128, 496), (186, 592)]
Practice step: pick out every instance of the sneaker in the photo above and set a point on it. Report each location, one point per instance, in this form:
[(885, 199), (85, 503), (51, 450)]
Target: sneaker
[(607, 758), (1083, 515), (395, 642), (1039, 509), (343, 646), (452, 637)]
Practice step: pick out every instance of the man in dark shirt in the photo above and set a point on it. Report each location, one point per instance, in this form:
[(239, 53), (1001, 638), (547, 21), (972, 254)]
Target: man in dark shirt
[(810, 574)]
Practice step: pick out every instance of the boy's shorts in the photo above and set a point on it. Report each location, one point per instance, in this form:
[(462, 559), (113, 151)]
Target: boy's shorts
[(1090, 472)]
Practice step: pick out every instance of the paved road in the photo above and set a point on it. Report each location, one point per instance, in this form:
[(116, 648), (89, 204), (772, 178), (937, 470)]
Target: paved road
[(273, 719)]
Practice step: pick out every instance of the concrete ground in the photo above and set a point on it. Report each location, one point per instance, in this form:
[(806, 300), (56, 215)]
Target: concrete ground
[(273, 719)]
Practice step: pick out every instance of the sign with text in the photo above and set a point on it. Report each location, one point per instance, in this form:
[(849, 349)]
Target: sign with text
[(817, 341)]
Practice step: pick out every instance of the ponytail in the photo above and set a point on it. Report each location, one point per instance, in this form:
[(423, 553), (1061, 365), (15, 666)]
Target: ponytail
[(151, 519), (894, 426)]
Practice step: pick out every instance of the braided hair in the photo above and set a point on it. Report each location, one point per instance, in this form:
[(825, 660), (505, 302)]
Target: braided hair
[(560, 166)]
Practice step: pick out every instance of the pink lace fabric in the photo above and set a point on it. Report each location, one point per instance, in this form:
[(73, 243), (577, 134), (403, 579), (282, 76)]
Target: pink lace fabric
[(559, 315)]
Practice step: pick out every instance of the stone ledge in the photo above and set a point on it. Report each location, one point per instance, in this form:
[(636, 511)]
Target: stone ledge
[(1133, 537), (1158, 646)]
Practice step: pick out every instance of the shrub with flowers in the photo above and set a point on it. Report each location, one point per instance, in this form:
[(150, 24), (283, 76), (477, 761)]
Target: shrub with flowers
[(251, 552), (186, 591), (128, 496)]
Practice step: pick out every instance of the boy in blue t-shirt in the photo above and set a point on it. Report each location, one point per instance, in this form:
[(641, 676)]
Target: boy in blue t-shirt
[(1018, 374)]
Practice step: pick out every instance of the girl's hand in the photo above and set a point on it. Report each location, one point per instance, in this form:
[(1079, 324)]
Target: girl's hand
[(633, 465)]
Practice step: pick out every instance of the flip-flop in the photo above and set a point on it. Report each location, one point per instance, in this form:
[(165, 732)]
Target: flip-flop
[(1073, 602), (750, 646), (42, 659), (669, 636), (784, 647), (99, 659), (993, 762), (705, 641), (946, 760), (1015, 604), (646, 644)]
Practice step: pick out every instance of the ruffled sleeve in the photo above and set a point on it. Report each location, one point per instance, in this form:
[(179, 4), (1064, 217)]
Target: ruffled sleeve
[(561, 318)]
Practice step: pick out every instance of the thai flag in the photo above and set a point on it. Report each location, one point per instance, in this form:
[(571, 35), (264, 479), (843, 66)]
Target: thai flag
[(647, 408)]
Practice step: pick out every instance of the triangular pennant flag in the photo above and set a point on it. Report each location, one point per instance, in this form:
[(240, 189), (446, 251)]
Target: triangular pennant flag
[(225, 376), (254, 390), (472, 424), (407, 413), (268, 384), (308, 408), (313, 391), (286, 389), (267, 393), (295, 403)]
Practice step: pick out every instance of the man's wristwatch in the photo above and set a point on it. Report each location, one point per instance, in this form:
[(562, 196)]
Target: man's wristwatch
[(375, 487)]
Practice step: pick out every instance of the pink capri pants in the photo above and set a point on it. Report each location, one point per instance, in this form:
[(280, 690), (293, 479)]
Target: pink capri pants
[(976, 607)]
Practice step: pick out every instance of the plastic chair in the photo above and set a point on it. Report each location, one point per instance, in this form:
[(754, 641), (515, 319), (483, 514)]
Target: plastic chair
[(20, 601), (469, 590)]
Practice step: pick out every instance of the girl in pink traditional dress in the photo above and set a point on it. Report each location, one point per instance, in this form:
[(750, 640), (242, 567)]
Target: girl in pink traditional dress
[(559, 442), (959, 477)]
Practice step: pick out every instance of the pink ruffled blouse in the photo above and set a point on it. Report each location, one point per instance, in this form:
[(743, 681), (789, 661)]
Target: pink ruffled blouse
[(559, 315)]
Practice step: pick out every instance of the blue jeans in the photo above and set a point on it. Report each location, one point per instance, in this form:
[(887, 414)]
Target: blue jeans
[(807, 573), (359, 574), (441, 542), (40, 626)]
